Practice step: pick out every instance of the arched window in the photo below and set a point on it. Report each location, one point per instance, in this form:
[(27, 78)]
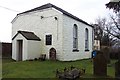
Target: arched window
[(86, 39), (75, 37)]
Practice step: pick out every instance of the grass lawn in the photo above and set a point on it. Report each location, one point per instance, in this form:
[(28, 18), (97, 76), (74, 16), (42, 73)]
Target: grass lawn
[(46, 69)]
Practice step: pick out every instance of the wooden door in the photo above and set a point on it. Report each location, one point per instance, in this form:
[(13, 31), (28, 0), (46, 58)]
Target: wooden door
[(52, 54), (20, 49)]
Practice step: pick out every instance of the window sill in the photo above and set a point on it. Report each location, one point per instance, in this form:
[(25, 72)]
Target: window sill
[(86, 50), (75, 50)]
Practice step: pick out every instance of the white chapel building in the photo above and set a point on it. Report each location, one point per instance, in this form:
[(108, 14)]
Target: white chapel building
[(36, 31)]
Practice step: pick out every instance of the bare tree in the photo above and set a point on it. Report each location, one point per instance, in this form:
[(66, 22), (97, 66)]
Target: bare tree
[(99, 27), (107, 29), (114, 25)]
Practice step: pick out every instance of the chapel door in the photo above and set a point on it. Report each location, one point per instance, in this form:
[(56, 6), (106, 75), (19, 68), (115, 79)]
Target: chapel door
[(20, 49), (52, 54)]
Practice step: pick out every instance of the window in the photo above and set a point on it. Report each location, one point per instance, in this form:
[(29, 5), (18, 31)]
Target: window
[(86, 39), (75, 37), (48, 39)]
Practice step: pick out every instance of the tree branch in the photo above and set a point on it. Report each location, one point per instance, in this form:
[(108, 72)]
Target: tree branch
[(115, 31), (117, 36), (116, 24)]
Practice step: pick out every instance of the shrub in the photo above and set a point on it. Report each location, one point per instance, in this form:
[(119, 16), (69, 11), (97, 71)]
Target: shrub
[(71, 73), (42, 57), (35, 59), (30, 60)]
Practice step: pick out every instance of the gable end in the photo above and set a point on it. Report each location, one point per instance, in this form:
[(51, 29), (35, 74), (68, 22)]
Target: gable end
[(49, 5)]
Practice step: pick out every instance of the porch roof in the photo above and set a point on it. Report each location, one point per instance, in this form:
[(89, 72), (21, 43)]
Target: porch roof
[(28, 35)]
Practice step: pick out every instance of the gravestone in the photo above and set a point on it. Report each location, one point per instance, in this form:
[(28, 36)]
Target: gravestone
[(117, 68), (100, 64), (106, 53)]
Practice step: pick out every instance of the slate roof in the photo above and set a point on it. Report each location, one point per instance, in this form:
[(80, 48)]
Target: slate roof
[(28, 35), (49, 5)]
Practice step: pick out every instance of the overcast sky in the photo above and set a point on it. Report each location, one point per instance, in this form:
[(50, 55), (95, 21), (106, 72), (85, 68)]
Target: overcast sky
[(87, 10)]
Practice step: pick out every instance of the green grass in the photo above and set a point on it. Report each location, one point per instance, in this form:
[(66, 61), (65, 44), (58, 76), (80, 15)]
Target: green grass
[(0, 68), (46, 69)]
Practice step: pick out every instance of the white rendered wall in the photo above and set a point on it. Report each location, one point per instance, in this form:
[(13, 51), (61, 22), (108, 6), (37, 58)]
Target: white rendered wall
[(34, 49), (60, 29), (68, 40), (41, 27)]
